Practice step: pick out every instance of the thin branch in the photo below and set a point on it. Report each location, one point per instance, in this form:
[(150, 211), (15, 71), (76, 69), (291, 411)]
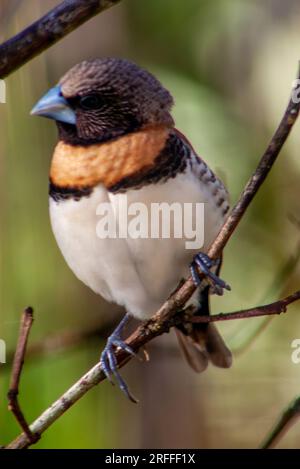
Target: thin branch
[(13, 403), (45, 32), (280, 283), (68, 339), (277, 307), (168, 316), (287, 419), (144, 334)]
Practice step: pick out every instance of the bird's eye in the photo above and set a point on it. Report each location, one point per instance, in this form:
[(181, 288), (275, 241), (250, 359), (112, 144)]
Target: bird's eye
[(92, 101)]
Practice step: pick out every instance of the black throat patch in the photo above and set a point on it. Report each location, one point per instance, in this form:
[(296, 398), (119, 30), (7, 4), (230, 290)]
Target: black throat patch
[(64, 193)]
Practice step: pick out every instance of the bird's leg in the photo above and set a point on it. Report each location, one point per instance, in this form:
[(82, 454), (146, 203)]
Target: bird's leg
[(108, 359), (203, 262)]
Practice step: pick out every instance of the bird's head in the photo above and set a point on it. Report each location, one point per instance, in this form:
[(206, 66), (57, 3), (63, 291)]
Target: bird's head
[(102, 99)]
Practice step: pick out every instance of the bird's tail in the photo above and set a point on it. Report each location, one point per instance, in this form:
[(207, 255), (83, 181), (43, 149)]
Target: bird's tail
[(203, 343)]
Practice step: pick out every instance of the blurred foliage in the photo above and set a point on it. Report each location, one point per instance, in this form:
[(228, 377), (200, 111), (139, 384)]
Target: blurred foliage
[(229, 65)]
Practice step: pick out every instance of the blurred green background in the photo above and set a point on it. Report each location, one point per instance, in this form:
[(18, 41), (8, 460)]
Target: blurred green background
[(230, 65)]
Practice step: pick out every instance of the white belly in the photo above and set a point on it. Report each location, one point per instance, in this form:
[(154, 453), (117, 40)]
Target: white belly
[(136, 273)]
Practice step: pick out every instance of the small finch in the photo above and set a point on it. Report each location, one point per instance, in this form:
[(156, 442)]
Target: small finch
[(116, 139)]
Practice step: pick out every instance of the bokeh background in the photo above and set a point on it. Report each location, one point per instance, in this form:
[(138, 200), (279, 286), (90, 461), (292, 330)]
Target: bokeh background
[(230, 66)]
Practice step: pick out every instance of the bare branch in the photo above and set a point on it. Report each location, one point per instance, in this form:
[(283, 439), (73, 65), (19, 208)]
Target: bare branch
[(68, 339), (45, 32), (280, 283), (143, 334), (277, 307), (287, 419), (13, 403), (65, 340)]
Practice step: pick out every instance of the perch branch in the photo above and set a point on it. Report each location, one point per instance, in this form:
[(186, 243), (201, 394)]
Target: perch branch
[(280, 283), (68, 339), (168, 316), (143, 334), (46, 31), (287, 419), (277, 307), (13, 403)]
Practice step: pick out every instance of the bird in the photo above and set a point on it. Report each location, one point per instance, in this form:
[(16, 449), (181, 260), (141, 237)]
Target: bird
[(117, 139)]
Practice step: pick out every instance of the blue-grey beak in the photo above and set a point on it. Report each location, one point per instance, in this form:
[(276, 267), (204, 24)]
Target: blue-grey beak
[(54, 106)]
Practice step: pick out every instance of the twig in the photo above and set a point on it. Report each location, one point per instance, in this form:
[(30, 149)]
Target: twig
[(65, 340), (280, 283), (144, 334), (277, 307), (168, 315), (45, 32), (13, 403), (287, 419)]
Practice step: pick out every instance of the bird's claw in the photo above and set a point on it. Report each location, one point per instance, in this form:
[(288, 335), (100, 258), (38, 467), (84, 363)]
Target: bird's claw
[(109, 363), (205, 263)]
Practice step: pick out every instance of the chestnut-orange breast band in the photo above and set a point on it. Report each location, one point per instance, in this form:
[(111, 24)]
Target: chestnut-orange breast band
[(106, 163)]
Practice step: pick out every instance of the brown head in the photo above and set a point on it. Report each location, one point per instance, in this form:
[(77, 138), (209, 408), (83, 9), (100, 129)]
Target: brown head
[(99, 100)]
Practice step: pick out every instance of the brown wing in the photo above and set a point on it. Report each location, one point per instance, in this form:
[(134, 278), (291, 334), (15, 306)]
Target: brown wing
[(204, 343), (195, 355)]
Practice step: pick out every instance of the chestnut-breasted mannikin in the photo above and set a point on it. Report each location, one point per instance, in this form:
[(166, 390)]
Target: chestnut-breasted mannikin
[(117, 140)]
